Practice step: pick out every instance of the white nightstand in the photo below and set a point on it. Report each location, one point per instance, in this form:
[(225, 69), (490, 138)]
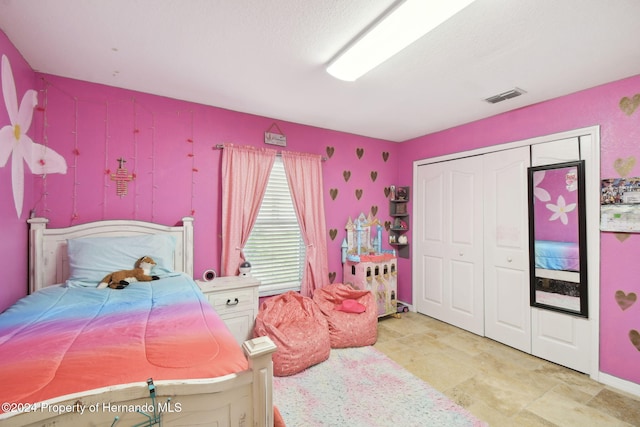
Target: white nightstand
[(235, 299)]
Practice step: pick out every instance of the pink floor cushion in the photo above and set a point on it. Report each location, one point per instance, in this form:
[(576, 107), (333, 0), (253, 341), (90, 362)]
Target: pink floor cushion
[(297, 326), (352, 315)]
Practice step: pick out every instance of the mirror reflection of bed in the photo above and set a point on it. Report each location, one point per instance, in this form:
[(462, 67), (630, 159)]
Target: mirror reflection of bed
[(557, 272)]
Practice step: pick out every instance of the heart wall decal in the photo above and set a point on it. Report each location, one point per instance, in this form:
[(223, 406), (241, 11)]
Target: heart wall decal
[(374, 210), (330, 151), (333, 233), (387, 225), (629, 105), (359, 193), (333, 193), (332, 276), (624, 166), (374, 176), (387, 191), (359, 152), (625, 300), (346, 175), (634, 336), (385, 156), (622, 236)]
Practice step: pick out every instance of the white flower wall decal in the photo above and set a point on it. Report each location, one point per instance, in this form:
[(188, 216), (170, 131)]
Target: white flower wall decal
[(539, 192), (15, 143), (560, 210)]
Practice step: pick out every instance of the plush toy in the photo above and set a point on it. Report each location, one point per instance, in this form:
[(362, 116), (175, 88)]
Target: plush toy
[(121, 279)]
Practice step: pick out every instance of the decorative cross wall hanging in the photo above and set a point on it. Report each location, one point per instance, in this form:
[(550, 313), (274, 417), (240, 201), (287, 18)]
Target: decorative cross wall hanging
[(121, 177)]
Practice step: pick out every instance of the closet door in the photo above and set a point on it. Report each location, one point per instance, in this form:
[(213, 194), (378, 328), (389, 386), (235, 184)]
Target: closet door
[(506, 248), (448, 258), (560, 337)]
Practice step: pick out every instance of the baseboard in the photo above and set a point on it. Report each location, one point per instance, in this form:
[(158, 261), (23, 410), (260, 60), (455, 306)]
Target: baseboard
[(619, 383)]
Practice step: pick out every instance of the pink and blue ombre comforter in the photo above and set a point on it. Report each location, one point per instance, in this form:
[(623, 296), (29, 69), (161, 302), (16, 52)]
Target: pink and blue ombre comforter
[(65, 340), (557, 255)]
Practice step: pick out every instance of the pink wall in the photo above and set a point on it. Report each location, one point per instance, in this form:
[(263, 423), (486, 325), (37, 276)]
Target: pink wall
[(13, 230), (169, 145), (620, 148)]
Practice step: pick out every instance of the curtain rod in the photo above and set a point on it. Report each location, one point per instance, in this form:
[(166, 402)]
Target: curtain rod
[(221, 147)]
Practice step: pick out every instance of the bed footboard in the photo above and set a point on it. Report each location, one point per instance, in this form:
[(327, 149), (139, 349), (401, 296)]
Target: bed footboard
[(243, 399), (259, 351)]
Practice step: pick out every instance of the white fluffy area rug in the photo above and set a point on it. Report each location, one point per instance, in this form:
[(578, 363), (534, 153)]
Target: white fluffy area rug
[(361, 387)]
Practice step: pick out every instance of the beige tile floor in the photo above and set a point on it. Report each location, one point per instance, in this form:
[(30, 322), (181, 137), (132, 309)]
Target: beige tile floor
[(498, 384)]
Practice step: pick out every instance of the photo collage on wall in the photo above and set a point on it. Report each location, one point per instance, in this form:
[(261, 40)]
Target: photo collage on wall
[(620, 205)]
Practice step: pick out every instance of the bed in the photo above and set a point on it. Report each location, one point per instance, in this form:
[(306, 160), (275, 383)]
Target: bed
[(557, 274), (550, 255), (151, 353)]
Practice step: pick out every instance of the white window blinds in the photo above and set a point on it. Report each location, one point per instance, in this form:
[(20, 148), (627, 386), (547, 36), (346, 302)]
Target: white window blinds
[(275, 247)]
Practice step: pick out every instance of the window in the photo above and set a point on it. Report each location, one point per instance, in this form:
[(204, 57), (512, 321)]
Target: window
[(275, 247)]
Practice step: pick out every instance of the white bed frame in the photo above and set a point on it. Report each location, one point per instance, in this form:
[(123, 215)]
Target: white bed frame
[(242, 399)]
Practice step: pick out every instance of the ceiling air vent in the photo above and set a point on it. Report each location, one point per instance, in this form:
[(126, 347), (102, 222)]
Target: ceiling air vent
[(505, 95)]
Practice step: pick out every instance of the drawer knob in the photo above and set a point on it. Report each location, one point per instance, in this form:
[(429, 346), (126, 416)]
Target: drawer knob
[(235, 302)]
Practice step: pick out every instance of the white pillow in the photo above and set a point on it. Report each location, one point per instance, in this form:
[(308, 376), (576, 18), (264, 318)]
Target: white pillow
[(92, 258)]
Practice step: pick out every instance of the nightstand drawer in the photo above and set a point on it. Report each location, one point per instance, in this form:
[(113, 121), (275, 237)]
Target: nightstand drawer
[(226, 301), (235, 299)]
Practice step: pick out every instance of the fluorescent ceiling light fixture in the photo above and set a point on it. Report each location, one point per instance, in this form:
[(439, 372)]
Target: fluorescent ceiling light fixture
[(403, 25)]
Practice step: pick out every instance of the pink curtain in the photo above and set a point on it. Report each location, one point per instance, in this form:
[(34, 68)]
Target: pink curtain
[(245, 174), (304, 173)]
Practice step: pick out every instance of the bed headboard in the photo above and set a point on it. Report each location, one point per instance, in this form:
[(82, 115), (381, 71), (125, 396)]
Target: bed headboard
[(48, 260)]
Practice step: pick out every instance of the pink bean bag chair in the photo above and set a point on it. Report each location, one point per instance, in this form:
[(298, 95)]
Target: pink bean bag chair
[(297, 326), (352, 315)]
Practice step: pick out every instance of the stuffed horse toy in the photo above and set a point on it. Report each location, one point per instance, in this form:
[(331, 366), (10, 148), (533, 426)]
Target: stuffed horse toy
[(121, 279)]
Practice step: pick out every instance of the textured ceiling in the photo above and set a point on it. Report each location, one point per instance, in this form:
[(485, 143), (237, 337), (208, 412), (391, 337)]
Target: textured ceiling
[(269, 57)]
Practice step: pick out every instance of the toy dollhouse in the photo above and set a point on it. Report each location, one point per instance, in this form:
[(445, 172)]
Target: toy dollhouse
[(367, 266)]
